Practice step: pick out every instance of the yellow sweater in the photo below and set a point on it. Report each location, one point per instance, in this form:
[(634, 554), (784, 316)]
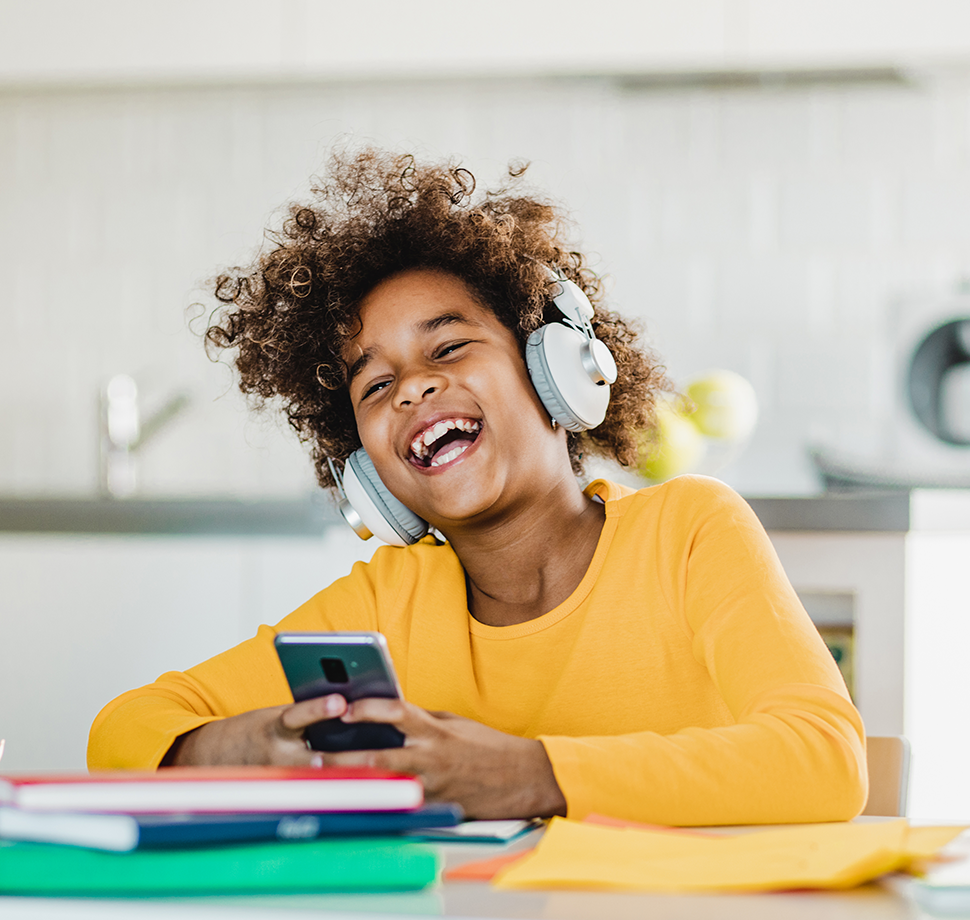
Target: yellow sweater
[(681, 683)]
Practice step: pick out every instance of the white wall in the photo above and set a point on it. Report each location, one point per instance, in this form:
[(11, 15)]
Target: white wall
[(778, 233), (85, 618), (937, 638), (99, 41)]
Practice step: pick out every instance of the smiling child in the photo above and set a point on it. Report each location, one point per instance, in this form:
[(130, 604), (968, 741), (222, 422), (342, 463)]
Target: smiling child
[(561, 650)]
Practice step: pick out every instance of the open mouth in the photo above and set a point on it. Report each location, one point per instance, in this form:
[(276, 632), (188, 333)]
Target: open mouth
[(444, 441)]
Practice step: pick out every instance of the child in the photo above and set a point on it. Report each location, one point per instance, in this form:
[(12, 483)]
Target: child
[(561, 651)]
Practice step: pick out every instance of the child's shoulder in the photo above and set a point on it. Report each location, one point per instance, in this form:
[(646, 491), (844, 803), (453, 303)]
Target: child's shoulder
[(680, 492), (428, 553)]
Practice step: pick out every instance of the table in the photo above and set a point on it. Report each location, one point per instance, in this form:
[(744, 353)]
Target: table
[(887, 899)]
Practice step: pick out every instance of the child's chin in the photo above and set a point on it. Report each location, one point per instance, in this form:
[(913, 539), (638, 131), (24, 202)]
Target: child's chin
[(461, 510)]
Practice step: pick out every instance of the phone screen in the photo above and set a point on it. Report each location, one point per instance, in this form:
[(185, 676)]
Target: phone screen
[(355, 665)]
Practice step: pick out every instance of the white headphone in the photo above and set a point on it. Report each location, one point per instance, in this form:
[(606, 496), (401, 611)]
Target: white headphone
[(571, 371)]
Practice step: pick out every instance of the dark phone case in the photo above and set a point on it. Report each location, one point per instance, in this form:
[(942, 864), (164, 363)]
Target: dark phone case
[(301, 664), (334, 735)]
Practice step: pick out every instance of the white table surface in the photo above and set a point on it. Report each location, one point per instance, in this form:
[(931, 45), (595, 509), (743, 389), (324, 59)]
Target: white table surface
[(889, 899)]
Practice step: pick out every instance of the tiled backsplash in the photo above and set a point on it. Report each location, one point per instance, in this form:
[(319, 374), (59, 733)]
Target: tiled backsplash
[(775, 232)]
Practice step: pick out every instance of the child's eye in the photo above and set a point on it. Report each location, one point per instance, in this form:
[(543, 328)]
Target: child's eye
[(448, 349), (373, 388)]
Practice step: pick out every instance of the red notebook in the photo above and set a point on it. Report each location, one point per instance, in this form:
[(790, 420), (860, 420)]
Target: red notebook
[(216, 789)]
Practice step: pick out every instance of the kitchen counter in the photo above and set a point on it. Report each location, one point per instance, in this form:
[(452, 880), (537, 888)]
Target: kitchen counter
[(889, 511), (189, 516)]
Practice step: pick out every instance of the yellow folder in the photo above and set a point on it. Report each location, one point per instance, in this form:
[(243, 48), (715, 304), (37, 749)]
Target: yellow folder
[(575, 854)]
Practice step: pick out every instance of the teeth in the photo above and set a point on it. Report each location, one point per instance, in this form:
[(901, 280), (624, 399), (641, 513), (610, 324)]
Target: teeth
[(432, 434), (420, 445), (448, 457)]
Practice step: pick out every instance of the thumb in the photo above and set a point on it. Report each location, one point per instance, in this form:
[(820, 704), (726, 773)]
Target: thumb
[(300, 715)]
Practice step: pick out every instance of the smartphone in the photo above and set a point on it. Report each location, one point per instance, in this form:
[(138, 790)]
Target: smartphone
[(354, 664)]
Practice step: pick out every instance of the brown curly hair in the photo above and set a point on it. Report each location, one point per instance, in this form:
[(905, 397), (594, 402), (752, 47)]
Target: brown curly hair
[(372, 216)]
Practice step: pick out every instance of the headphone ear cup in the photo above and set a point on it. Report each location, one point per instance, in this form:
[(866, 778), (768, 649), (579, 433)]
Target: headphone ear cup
[(545, 384), (379, 511), (554, 357)]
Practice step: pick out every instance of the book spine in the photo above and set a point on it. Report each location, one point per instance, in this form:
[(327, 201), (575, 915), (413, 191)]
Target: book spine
[(218, 796), (318, 865), (200, 833)]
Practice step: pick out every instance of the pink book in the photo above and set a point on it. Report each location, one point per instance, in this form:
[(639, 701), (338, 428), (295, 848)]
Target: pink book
[(216, 789)]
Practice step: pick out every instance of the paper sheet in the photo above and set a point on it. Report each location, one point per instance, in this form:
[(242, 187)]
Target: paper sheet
[(575, 854)]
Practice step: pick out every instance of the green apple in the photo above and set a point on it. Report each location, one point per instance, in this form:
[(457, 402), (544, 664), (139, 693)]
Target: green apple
[(725, 405), (674, 446)]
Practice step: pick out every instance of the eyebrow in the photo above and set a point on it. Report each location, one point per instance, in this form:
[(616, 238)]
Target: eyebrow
[(426, 326)]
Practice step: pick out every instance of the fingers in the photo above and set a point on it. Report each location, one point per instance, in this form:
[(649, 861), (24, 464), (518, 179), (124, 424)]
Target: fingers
[(297, 717), (412, 721), (286, 754), (400, 760), (348, 759), (374, 709), (255, 737), (406, 718)]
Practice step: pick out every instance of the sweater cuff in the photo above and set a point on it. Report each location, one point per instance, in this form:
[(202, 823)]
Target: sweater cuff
[(570, 765)]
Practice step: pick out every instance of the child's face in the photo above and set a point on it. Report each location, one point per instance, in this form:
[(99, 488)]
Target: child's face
[(444, 404)]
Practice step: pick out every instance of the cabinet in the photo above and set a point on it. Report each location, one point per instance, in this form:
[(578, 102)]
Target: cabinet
[(864, 573), (84, 618), (902, 564)]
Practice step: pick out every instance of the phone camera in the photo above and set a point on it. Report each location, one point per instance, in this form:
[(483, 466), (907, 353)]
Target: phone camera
[(334, 670)]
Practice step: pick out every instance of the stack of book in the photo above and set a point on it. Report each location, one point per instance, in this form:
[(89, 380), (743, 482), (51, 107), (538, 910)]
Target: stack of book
[(186, 830)]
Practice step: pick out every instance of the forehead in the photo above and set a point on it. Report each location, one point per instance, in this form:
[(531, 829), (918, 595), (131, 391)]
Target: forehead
[(411, 303), (415, 292)]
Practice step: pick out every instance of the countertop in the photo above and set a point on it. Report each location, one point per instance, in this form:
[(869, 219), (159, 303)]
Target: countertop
[(881, 511), (307, 517)]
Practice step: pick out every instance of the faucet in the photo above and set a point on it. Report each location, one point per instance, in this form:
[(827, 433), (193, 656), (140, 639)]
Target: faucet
[(123, 433)]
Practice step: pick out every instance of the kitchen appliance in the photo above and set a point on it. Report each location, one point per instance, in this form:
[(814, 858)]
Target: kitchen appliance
[(927, 432), (938, 382)]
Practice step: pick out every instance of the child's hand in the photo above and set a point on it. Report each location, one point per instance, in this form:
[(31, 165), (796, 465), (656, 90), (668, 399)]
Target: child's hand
[(489, 773), (263, 736)]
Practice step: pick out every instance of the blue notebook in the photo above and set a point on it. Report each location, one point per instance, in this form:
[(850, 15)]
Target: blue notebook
[(134, 832)]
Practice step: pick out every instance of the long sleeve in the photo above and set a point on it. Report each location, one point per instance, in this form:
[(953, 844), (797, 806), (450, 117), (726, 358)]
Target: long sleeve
[(135, 730), (795, 751), (680, 683)]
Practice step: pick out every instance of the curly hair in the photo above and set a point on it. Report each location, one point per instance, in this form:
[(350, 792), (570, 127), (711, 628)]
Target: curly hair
[(375, 214)]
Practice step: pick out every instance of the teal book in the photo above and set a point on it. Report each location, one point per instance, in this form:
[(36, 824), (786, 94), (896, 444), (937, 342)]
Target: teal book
[(371, 864)]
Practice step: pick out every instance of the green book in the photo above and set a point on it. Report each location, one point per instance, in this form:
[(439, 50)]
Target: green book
[(372, 864)]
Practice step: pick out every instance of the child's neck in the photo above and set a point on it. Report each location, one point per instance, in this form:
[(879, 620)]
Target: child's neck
[(529, 564)]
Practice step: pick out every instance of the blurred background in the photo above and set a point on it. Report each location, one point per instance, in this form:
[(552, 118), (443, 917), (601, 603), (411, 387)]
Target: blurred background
[(776, 188), (781, 189)]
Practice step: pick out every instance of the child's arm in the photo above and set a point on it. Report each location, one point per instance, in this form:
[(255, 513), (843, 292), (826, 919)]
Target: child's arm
[(797, 749), (139, 728), (491, 774), (796, 756), (260, 736)]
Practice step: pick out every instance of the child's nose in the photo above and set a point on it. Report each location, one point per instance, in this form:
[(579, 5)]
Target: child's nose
[(417, 386)]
